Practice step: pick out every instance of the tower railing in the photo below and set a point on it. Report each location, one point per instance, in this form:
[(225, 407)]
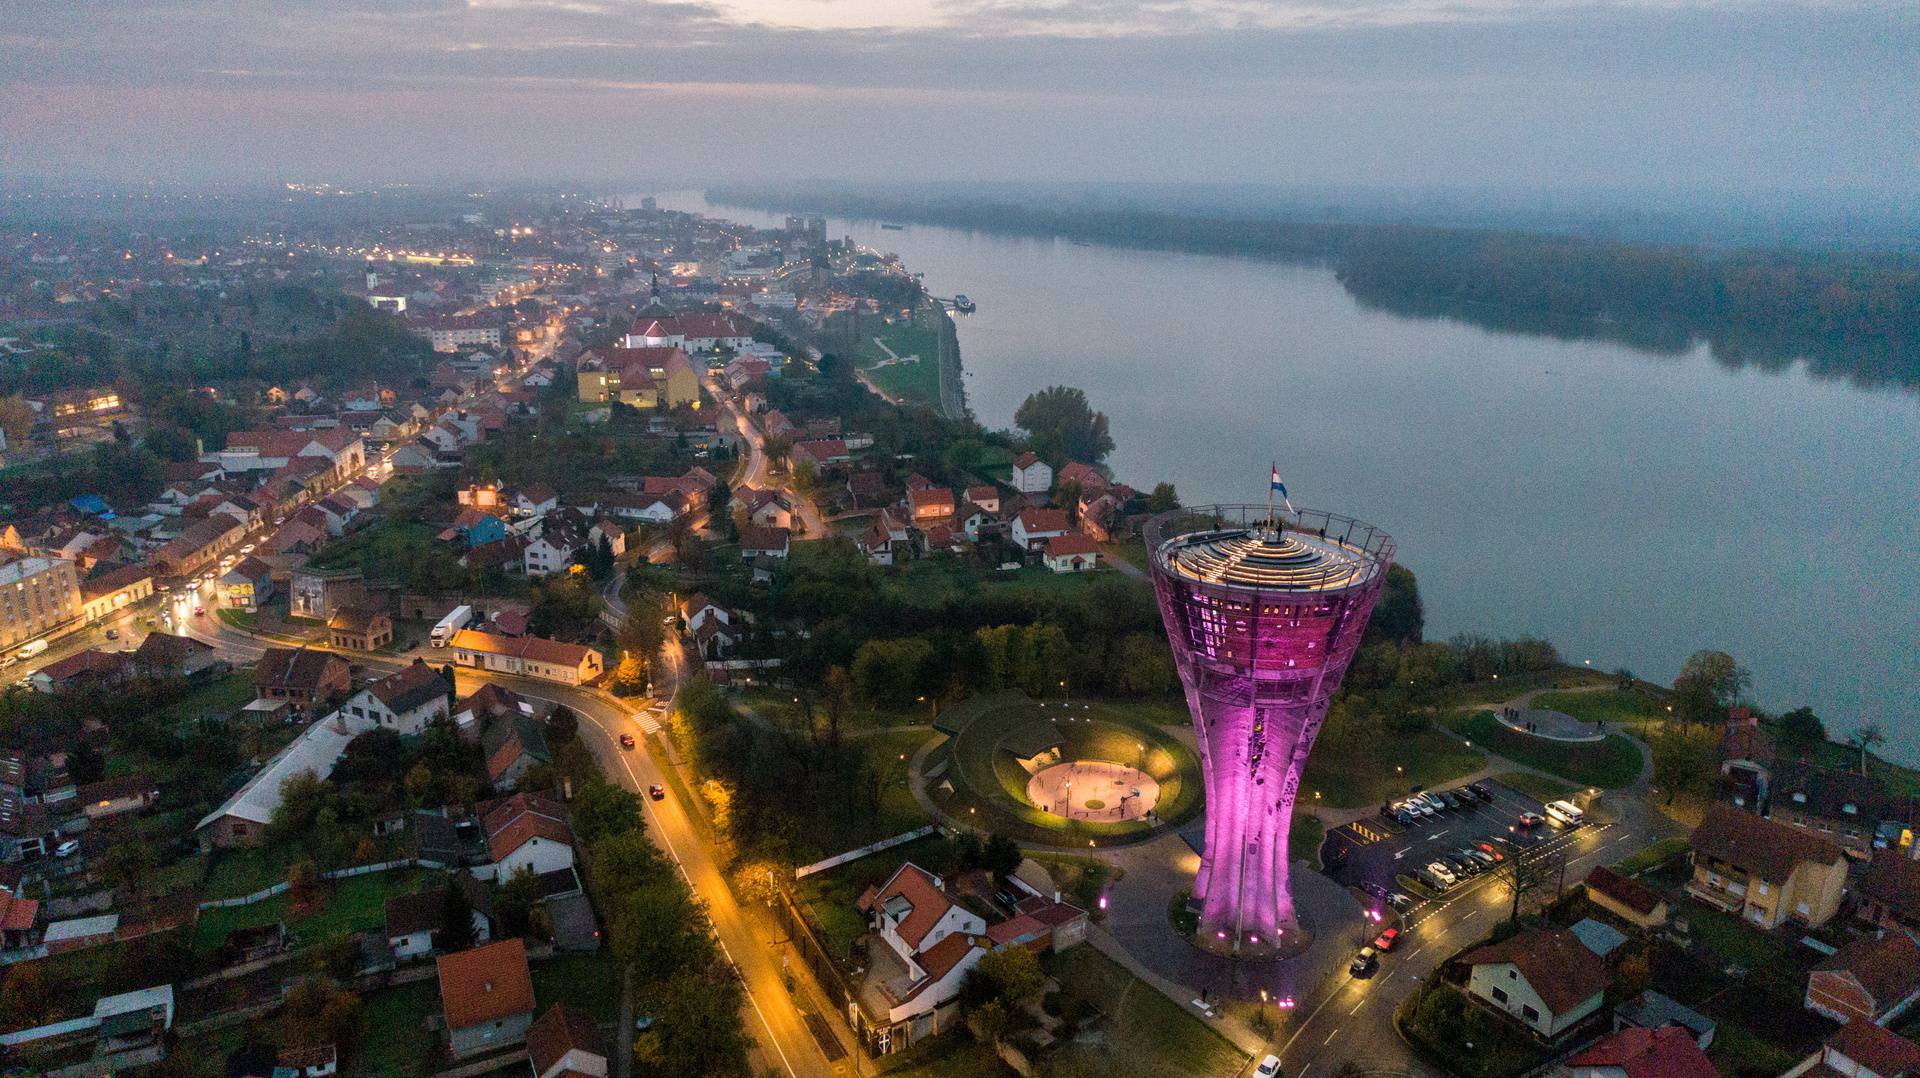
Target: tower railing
[(1376, 545)]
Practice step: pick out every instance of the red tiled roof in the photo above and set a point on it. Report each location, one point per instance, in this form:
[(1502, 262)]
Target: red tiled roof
[(1066, 546), (1761, 846), (1555, 963), (1887, 967), (1042, 520), (17, 914), (1880, 1050), (1667, 1052), (1025, 460), (558, 1032), (1893, 879), (485, 984), (939, 959), (537, 649), (754, 537), (1625, 890), (524, 830), (927, 901)]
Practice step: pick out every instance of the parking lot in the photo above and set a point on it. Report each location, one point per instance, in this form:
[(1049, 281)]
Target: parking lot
[(1377, 849)]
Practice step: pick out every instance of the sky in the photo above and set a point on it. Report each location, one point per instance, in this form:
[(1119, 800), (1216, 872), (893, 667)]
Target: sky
[(1684, 95)]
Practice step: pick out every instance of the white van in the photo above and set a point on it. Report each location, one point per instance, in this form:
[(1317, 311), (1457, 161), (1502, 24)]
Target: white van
[(32, 649), (1565, 813)]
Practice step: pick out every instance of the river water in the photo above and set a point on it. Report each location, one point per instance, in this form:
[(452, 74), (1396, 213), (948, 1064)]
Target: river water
[(1628, 506)]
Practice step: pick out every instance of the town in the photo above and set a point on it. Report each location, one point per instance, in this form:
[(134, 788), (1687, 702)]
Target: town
[(452, 633)]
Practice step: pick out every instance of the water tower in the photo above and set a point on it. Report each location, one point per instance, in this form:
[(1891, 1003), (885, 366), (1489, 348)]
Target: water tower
[(1264, 610)]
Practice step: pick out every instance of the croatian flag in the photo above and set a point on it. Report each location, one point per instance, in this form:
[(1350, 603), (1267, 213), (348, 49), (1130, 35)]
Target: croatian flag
[(1280, 488)]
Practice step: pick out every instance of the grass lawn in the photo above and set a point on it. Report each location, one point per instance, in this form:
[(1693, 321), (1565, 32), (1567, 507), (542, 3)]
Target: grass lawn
[(1367, 776), (1901, 781), (1304, 837), (395, 1041), (1508, 686), (218, 697), (589, 982), (1608, 764), (1611, 706), (951, 1055), (239, 619), (242, 870), (1141, 1032), (355, 904), (1539, 787), (830, 896), (1649, 856), (990, 785), (1733, 941), (1739, 1054), (890, 754)]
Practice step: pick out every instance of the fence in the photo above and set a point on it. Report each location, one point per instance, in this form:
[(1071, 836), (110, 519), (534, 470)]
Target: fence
[(334, 874), (812, 951), (854, 855)]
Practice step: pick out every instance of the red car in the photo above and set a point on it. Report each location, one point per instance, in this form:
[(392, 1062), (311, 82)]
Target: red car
[(1385, 940), (199, 611), (626, 741), (657, 792), (1490, 850)]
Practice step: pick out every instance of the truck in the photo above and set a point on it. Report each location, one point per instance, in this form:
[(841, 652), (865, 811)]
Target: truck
[(457, 619)]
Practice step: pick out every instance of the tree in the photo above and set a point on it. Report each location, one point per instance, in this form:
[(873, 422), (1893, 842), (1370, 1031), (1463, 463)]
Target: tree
[(990, 1020), (1001, 856), (24, 999), (1709, 683), (699, 1032), (518, 902), (303, 881), (601, 809), (86, 764), (456, 917), (630, 675), (1399, 615), (130, 866), (1014, 974), (1684, 761), (1061, 426), (1866, 738), (16, 422), (653, 928), (890, 672), (1520, 875), (1163, 499), (1801, 728)]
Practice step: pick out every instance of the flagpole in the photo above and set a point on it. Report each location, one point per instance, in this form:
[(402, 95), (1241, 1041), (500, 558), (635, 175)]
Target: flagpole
[(1276, 469)]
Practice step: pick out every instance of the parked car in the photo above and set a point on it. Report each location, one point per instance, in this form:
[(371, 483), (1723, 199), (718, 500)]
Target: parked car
[(626, 741), (1363, 962), (1438, 806), (1480, 791), (657, 792), (1406, 817), (1443, 872), (113, 634), (1268, 1068), (1462, 866), (1386, 939), (1486, 859), (1454, 801), (1491, 850), (67, 848), (1528, 821)]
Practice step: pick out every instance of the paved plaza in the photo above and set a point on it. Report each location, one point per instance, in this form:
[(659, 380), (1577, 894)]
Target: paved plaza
[(1095, 790)]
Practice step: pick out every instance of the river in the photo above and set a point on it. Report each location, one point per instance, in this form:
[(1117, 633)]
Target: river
[(1630, 507)]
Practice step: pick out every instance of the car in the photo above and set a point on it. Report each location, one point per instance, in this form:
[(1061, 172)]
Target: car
[(657, 792), (1528, 821), (1373, 889), (67, 848), (1462, 865), (1450, 799), (1491, 850), (199, 611), (1480, 791), (248, 549), (1486, 859), (1405, 817), (1438, 806), (1386, 939), (626, 741), (1363, 962), (1443, 872), (113, 634), (1268, 1068)]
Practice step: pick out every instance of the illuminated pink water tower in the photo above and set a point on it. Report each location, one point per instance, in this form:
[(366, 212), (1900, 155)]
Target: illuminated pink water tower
[(1264, 610)]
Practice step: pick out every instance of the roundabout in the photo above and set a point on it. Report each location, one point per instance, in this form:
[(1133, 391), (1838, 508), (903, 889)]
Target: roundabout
[(1094, 790)]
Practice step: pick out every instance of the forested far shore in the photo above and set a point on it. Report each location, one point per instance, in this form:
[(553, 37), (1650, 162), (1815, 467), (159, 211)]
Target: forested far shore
[(1848, 315)]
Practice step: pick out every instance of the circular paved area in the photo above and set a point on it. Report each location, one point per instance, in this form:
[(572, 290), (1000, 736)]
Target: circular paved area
[(1093, 790), (1551, 725)]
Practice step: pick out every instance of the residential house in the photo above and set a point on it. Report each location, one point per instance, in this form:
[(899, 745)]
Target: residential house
[(317, 593), (306, 678), (1668, 1052), (765, 508), (527, 831), (359, 628), (37, 596), (474, 527), (486, 996), (564, 1043), (927, 943), (1872, 979), (561, 542), (527, 656), (821, 454), (927, 504), (405, 701), (1626, 898), (534, 500), (1861, 1050), (1085, 477), (248, 585), (865, 488), (1652, 1010), (1546, 979), (103, 593), (17, 915), (1033, 527), (649, 376), (164, 655), (976, 521), (887, 541), (985, 496), (1765, 872), (1071, 554), (25, 830), (1747, 753), (83, 671), (608, 532), (472, 715), (241, 820), (108, 798), (1889, 891), (1030, 475), (513, 745), (769, 542), (414, 920), (1837, 803), (198, 546)]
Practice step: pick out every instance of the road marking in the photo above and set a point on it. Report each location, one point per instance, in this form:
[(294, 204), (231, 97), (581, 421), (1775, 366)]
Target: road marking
[(1437, 834), (1356, 1010), (1416, 953), (1402, 853), (1331, 1036)]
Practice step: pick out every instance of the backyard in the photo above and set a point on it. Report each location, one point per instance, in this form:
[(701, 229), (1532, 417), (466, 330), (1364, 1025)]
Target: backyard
[(1138, 1031), (355, 904)]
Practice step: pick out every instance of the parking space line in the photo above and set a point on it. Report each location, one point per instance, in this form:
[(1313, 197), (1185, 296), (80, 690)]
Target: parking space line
[(1330, 1037)]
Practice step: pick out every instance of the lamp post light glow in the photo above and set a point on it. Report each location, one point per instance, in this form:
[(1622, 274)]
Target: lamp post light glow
[(1264, 612)]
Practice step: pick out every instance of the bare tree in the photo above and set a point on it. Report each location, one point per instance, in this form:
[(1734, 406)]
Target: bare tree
[(1866, 738), (1523, 873)]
